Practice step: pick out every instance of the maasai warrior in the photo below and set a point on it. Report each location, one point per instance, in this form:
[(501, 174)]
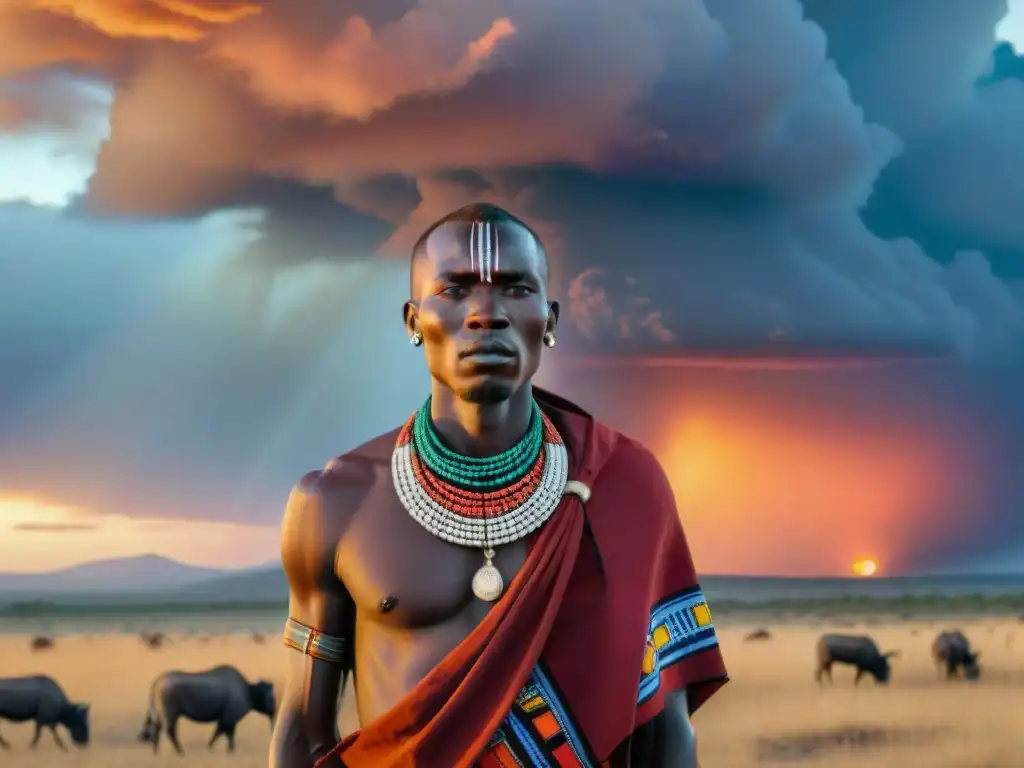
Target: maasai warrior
[(504, 576)]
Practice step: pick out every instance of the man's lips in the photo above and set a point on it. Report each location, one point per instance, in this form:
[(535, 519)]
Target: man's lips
[(488, 350)]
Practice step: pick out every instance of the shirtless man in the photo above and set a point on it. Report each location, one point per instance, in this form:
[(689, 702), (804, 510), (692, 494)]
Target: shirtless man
[(541, 604)]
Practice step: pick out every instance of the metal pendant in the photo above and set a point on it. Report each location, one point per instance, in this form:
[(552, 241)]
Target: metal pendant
[(487, 581)]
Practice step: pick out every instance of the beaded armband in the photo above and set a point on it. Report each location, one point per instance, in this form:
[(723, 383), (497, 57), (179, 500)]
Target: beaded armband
[(313, 642)]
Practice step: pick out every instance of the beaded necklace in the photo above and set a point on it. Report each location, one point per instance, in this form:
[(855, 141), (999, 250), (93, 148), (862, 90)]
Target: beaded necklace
[(480, 502)]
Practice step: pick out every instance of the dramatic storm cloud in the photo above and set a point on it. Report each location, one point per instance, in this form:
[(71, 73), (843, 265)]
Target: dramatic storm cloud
[(221, 303), (694, 116)]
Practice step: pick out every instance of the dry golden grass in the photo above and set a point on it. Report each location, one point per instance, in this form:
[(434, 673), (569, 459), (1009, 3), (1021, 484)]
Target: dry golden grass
[(916, 722), (926, 722)]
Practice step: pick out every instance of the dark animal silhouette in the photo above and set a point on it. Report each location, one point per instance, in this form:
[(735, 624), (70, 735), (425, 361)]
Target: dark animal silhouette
[(154, 640), (41, 699), (858, 651), (220, 695), (951, 651), (42, 643), (758, 634)]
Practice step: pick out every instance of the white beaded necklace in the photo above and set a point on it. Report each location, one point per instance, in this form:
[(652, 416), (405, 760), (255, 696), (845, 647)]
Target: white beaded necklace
[(481, 531)]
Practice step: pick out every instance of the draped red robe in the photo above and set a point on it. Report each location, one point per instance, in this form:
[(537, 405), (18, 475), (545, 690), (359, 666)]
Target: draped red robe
[(603, 621)]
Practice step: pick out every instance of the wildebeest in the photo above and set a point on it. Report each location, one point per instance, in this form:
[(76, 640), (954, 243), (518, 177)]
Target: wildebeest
[(859, 651), (40, 698), (951, 651), (42, 643), (220, 695), (153, 640)]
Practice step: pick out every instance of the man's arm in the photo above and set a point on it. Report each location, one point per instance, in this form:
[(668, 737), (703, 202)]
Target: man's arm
[(306, 724), (679, 749)]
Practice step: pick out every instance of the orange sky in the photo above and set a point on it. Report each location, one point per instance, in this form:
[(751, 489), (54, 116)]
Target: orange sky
[(788, 473), (37, 536), (758, 493), (762, 494)]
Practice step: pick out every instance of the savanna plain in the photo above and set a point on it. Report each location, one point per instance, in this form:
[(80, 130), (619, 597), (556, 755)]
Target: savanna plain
[(772, 713)]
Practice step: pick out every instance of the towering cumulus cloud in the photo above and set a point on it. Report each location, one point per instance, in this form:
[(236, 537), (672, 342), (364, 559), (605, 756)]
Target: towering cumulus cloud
[(715, 177), (679, 118)]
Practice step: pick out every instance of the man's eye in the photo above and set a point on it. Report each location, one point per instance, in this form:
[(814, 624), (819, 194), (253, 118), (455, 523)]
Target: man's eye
[(453, 290), (518, 290)]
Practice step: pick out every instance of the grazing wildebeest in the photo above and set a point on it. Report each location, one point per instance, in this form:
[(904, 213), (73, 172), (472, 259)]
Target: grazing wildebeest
[(153, 640), (859, 651), (40, 698), (220, 695), (42, 643), (952, 652)]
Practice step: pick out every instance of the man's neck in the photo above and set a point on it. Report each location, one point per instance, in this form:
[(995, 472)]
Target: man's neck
[(481, 429)]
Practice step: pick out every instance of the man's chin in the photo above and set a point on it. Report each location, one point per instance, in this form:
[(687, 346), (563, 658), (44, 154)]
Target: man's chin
[(488, 391)]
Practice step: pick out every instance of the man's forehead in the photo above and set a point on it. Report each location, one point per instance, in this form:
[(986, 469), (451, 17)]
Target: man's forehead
[(483, 246)]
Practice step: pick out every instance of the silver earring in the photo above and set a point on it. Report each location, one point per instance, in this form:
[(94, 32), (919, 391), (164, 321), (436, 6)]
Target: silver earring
[(549, 340), (416, 339)]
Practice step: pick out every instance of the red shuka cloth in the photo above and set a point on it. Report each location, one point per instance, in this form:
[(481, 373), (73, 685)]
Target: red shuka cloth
[(586, 612)]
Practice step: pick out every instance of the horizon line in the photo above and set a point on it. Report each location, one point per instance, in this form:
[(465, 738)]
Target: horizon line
[(750, 362), (276, 562)]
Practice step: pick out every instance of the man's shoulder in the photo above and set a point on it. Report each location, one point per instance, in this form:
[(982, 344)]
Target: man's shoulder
[(634, 475), (349, 475), (632, 460), (374, 452)]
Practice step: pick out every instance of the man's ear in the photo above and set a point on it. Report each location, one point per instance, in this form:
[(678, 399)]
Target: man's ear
[(553, 310), (410, 316)]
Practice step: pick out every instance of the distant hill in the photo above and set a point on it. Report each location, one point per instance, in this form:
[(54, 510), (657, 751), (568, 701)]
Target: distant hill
[(764, 589), (146, 573), (254, 585), (156, 582)]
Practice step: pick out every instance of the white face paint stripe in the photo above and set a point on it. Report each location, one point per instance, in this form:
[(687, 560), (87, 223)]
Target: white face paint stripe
[(488, 249), (483, 249), (481, 228), (478, 232)]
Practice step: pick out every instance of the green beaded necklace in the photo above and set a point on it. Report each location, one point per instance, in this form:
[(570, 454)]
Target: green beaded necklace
[(480, 474), (480, 502)]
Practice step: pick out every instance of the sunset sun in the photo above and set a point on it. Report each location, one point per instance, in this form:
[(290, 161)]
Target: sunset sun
[(865, 567)]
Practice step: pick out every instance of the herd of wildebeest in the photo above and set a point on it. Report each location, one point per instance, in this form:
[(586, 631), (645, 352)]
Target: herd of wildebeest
[(223, 696)]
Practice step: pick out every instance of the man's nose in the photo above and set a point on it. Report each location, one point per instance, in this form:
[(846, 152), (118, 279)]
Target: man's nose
[(486, 311)]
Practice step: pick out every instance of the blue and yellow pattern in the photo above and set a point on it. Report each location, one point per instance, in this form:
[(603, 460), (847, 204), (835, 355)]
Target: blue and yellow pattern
[(680, 627), (539, 731)]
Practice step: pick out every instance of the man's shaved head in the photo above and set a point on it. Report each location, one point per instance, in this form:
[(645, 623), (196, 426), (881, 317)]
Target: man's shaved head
[(480, 276), (468, 229)]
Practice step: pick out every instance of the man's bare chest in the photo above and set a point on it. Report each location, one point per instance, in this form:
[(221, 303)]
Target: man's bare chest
[(404, 576)]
